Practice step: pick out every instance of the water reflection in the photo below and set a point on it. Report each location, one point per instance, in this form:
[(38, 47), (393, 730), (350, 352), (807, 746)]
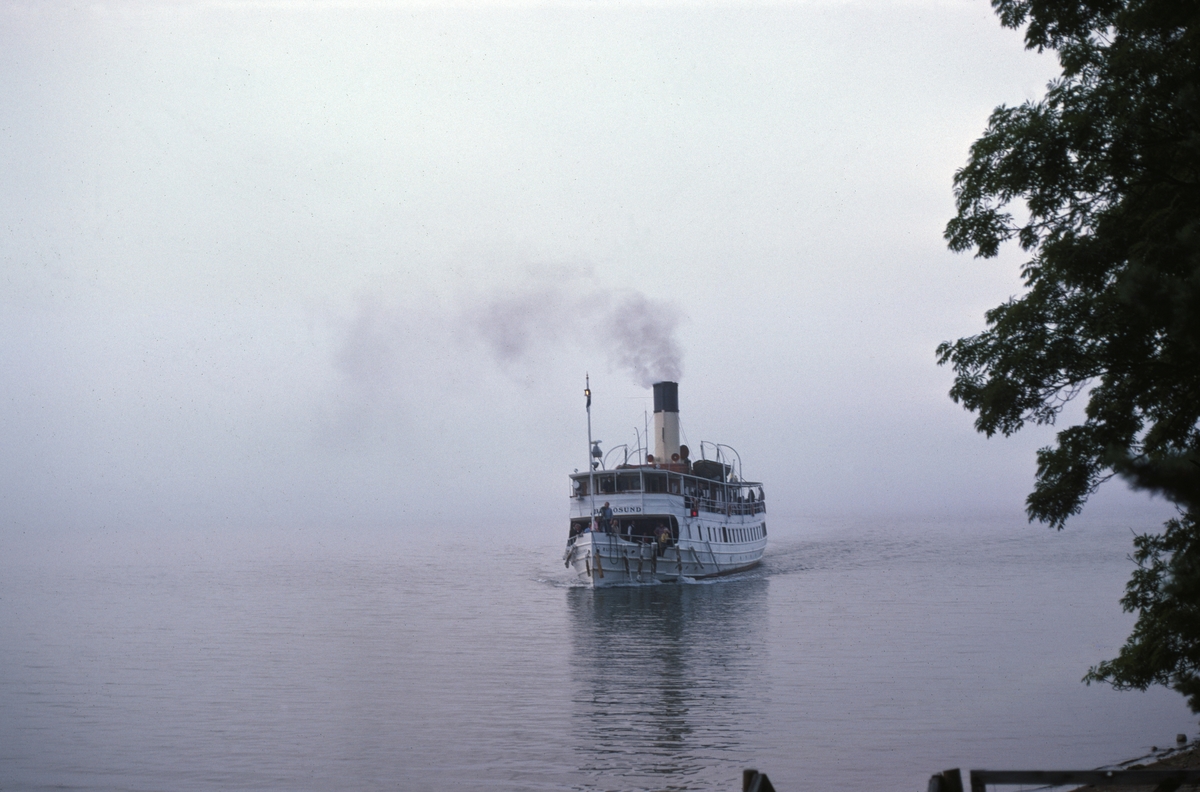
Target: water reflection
[(669, 681)]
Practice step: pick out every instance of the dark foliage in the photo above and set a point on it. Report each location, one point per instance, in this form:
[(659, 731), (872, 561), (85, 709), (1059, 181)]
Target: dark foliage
[(1104, 173), (1100, 182), (1164, 648)]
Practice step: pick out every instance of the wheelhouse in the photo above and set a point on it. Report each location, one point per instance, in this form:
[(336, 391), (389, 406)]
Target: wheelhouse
[(701, 493)]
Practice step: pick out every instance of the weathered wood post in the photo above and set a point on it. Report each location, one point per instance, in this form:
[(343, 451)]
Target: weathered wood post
[(946, 781), (754, 781)]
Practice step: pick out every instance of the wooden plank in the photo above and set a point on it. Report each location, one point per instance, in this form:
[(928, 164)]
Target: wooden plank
[(981, 778)]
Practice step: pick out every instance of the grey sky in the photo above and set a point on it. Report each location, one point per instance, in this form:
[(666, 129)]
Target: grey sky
[(342, 264)]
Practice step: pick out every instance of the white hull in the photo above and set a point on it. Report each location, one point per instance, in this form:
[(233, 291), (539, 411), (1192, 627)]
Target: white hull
[(601, 559)]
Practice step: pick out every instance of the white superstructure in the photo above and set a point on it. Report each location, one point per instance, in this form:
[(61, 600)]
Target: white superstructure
[(666, 517)]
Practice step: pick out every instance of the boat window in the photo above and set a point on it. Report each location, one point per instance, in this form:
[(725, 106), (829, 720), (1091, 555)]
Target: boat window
[(579, 487), (629, 482), (605, 484), (656, 482), (675, 484)]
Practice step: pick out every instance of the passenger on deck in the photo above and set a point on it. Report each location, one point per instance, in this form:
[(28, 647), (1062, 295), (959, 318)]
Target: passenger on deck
[(663, 535), (606, 519)]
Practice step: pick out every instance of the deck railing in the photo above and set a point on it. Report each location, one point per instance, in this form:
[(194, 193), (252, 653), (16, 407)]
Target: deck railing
[(717, 506)]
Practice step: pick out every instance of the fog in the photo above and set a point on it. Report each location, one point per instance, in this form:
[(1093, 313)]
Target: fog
[(347, 265)]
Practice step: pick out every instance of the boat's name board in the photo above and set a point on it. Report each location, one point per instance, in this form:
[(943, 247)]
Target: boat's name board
[(621, 510)]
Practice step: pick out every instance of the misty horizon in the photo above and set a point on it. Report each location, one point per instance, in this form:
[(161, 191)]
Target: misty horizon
[(303, 265)]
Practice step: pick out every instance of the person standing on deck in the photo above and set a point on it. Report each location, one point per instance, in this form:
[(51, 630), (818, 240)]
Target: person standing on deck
[(662, 535), (605, 518)]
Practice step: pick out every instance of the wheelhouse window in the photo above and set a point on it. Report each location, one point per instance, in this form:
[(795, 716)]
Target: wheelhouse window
[(629, 482)]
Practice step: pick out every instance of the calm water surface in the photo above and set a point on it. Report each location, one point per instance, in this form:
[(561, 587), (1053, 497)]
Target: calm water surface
[(864, 656)]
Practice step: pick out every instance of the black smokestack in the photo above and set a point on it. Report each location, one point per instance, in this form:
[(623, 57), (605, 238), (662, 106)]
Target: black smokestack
[(666, 397), (666, 421)]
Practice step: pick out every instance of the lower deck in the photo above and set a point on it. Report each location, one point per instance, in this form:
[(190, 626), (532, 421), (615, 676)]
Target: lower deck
[(629, 537), (605, 559)]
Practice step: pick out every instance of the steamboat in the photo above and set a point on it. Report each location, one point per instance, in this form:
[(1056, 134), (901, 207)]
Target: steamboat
[(663, 517)]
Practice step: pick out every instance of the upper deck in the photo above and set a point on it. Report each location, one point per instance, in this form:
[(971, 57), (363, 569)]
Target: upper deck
[(711, 494)]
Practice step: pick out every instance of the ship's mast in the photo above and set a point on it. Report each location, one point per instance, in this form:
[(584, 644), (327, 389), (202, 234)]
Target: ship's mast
[(587, 391), (646, 435)]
